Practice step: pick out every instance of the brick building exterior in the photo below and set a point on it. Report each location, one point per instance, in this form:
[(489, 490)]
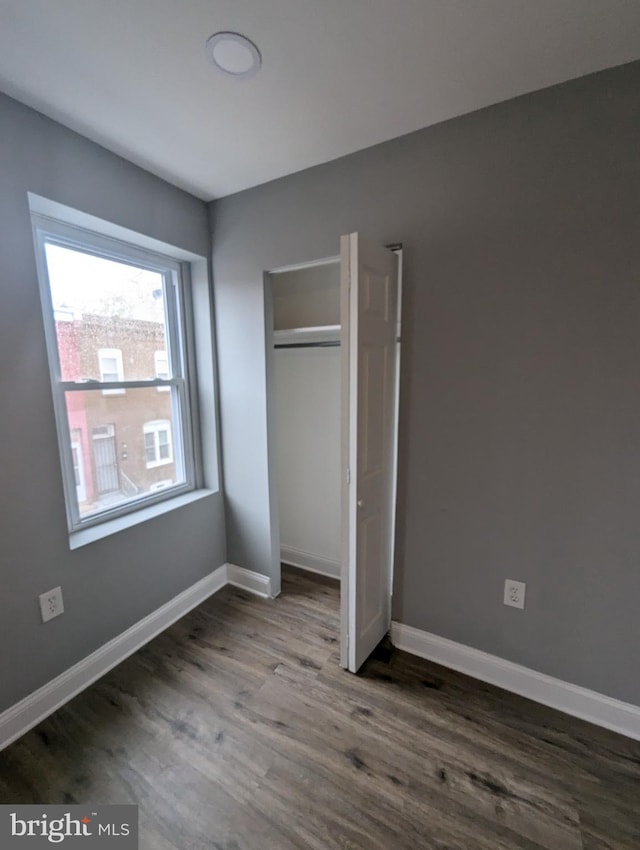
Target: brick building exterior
[(122, 440)]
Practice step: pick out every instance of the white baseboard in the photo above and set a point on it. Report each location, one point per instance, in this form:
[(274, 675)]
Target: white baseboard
[(255, 583), (309, 561), (580, 702), (27, 713)]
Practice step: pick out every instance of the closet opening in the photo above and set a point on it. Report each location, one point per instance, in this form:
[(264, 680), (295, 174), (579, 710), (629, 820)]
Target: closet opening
[(332, 360), (305, 401)]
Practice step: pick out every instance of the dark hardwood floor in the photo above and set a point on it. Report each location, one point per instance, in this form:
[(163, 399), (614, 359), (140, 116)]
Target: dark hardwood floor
[(237, 730)]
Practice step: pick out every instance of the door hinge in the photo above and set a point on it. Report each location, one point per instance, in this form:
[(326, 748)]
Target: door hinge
[(348, 476)]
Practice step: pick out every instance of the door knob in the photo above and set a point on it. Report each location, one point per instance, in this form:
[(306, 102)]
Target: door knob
[(360, 502)]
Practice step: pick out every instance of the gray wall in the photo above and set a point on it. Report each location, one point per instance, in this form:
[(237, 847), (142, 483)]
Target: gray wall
[(110, 584), (520, 409)]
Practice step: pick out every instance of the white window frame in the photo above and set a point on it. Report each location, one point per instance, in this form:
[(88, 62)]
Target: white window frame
[(155, 427), (180, 352), (116, 354)]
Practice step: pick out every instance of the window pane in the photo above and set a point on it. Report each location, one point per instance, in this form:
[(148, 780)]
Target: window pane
[(125, 446), (105, 304)]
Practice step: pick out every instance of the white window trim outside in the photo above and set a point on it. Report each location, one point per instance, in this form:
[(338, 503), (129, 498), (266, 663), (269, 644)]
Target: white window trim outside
[(160, 485), (180, 351), (155, 427), (115, 354), (160, 359), (78, 466)]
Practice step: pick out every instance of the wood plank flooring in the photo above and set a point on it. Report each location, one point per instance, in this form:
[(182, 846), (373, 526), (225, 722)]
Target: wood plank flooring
[(237, 730)]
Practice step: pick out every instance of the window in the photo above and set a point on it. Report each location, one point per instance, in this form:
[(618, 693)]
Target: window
[(111, 369), (157, 443), (161, 363), (118, 329)]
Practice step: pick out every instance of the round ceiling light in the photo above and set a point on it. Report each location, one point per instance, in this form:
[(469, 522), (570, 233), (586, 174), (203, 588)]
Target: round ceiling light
[(233, 54)]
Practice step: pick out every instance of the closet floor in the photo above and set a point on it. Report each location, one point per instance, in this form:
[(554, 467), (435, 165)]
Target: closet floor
[(236, 730)]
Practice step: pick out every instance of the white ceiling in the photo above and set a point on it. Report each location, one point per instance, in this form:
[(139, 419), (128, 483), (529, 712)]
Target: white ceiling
[(337, 76)]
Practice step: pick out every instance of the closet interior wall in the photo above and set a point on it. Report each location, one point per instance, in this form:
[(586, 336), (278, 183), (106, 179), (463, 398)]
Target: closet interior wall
[(307, 369)]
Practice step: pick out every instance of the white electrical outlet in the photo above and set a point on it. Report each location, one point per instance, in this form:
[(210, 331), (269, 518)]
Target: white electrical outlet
[(51, 604), (514, 593)]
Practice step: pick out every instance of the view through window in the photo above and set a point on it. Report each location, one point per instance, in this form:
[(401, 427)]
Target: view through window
[(118, 372)]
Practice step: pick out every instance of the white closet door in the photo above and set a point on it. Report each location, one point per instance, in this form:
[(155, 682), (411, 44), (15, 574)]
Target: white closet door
[(369, 350)]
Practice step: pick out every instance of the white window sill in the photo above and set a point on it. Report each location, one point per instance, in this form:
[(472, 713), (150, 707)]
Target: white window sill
[(152, 464), (112, 526)]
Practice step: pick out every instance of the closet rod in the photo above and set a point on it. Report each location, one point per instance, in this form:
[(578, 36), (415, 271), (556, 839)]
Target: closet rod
[(328, 344)]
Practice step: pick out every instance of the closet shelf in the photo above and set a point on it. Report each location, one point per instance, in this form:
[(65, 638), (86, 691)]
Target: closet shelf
[(292, 336)]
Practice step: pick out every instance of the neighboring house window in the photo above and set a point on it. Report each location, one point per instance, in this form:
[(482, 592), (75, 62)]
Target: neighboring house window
[(111, 309), (111, 369), (161, 362), (158, 447)]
